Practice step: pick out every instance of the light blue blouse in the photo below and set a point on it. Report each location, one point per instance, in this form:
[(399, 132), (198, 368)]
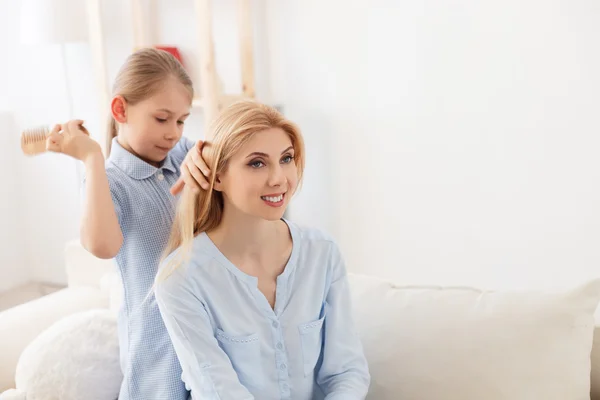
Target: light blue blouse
[(233, 346)]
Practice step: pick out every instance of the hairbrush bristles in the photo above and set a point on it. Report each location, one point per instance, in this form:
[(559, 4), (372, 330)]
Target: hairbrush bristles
[(33, 141)]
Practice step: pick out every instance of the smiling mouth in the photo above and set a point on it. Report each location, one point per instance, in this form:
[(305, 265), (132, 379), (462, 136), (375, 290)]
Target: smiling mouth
[(274, 200)]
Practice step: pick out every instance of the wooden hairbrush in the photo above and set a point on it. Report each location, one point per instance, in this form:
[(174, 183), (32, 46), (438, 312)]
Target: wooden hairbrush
[(33, 140)]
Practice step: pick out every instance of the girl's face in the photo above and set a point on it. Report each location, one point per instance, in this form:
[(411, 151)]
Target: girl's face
[(152, 127), (261, 177)]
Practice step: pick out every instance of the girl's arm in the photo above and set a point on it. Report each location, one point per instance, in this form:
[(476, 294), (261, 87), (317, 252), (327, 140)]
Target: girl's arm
[(343, 373), (207, 370), (100, 231)]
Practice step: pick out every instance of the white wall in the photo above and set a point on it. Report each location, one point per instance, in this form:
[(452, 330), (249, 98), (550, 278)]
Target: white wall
[(34, 89), (14, 269), (466, 134), (448, 142)]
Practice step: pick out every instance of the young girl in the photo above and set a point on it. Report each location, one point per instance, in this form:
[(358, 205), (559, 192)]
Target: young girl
[(129, 207), (257, 307)]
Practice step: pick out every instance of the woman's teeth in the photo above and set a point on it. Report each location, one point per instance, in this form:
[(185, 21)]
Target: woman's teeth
[(273, 199)]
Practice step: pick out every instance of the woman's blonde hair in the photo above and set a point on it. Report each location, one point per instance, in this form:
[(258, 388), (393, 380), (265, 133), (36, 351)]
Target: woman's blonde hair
[(142, 75), (202, 212)]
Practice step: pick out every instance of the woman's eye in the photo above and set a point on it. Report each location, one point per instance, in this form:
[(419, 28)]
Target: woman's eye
[(161, 120), (256, 164), (287, 159), (180, 122)]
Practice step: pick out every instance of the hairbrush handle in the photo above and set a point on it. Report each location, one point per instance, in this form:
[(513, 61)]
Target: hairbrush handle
[(33, 140)]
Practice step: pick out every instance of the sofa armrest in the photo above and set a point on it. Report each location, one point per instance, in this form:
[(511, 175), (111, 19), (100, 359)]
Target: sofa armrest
[(83, 268), (22, 324)]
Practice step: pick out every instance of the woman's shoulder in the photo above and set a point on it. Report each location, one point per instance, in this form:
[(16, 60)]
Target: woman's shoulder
[(184, 263), (311, 235), (195, 254), (317, 248)]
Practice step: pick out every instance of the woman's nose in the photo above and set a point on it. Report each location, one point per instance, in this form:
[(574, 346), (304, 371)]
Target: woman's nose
[(277, 177)]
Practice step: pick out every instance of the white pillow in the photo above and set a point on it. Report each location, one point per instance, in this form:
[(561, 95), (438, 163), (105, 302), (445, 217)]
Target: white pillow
[(432, 343), (75, 358)]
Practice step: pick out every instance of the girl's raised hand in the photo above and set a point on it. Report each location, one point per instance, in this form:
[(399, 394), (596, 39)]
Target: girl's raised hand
[(72, 139), (194, 171)]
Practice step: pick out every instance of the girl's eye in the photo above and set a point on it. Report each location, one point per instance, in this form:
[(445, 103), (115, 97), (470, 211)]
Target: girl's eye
[(287, 159), (161, 120), (256, 164), (180, 122)]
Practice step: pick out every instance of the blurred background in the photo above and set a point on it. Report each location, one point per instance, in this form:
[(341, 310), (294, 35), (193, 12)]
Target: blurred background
[(448, 142)]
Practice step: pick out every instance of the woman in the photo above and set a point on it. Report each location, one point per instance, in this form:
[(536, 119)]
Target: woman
[(257, 307)]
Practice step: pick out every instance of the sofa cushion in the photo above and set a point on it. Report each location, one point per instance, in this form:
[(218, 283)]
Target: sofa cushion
[(21, 324), (83, 268), (75, 358), (430, 343)]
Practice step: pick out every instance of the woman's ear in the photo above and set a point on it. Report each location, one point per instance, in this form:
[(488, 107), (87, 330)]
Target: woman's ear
[(218, 183), (118, 107)]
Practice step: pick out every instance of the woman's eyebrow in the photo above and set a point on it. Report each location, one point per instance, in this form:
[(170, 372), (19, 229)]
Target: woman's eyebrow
[(258, 153)]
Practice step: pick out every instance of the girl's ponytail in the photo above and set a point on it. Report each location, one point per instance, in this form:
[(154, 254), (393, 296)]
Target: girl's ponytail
[(110, 134)]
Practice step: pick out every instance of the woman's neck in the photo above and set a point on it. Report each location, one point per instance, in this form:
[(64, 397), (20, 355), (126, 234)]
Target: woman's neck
[(243, 236)]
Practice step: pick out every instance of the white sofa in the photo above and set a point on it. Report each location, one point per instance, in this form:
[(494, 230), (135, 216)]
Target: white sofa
[(421, 342), (21, 324)]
